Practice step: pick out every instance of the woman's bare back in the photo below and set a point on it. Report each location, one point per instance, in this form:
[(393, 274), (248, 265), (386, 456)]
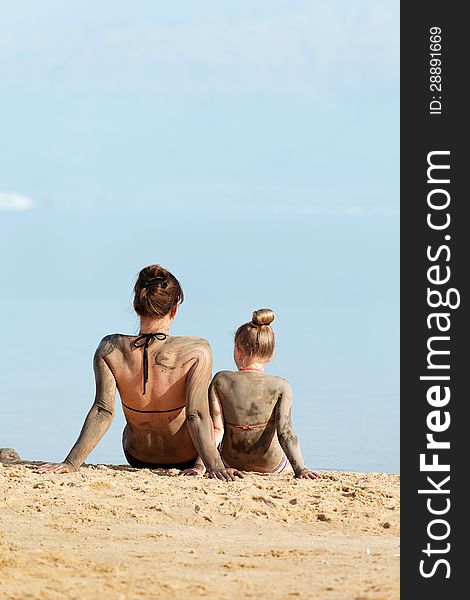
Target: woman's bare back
[(156, 429)]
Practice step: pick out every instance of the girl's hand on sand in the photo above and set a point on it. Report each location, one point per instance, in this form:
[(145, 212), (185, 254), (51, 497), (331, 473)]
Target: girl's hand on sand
[(55, 468), (194, 471), (306, 474), (224, 474)]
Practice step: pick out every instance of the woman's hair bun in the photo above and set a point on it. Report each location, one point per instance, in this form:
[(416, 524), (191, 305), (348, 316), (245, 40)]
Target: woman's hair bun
[(263, 316), (156, 292)]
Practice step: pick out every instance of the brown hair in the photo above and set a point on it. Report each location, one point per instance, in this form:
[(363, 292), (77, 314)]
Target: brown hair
[(256, 338), (156, 292)]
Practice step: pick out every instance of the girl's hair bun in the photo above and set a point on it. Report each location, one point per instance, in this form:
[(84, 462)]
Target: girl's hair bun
[(263, 316), (256, 338)]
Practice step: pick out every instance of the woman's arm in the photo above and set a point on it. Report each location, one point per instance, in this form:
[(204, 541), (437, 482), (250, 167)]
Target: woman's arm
[(287, 438), (218, 424), (197, 413), (98, 418)]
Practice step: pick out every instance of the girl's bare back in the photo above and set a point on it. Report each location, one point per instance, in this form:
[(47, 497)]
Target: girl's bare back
[(250, 402)]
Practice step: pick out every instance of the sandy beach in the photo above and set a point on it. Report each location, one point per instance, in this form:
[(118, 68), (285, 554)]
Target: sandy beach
[(112, 532)]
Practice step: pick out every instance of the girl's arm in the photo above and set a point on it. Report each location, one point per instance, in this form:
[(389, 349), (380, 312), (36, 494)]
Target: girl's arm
[(216, 413), (287, 438)]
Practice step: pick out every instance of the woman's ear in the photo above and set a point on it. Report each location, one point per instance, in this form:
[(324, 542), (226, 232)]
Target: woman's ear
[(173, 312)]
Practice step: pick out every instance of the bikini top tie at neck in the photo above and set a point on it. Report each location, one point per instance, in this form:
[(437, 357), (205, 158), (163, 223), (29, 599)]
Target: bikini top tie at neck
[(145, 339)]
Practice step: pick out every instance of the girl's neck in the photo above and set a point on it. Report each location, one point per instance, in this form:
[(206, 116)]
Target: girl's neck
[(254, 366)]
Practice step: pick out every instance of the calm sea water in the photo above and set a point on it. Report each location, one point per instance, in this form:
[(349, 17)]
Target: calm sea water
[(334, 433)]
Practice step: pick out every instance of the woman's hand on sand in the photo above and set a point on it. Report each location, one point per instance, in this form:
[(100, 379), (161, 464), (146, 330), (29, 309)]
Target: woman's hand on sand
[(306, 474), (56, 468), (224, 474), (197, 470)]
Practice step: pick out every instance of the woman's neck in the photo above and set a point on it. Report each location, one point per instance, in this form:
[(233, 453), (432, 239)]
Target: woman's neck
[(155, 325)]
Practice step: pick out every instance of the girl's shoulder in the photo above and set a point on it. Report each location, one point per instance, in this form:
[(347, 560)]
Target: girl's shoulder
[(281, 383), (233, 375), (221, 375)]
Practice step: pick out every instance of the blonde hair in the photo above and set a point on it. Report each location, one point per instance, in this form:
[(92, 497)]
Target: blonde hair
[(256, 338)]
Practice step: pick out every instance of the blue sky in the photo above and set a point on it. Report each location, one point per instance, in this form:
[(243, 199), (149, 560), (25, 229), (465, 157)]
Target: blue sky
[(252, 149)]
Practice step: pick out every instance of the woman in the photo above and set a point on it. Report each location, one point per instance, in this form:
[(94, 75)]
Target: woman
[(255, 407), (162, 382)]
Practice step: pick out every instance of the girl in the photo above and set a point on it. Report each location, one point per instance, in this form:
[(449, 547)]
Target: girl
[(255, 407)]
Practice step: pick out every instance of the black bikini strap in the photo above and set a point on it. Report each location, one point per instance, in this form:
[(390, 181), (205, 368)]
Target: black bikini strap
[(154, 411), (145, 339)]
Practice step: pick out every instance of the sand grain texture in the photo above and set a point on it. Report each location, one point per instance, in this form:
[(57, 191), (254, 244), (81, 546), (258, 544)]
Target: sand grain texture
[(117, 533)]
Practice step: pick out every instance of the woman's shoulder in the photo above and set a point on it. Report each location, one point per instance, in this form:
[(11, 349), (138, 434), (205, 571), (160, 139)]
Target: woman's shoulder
[(115, 338), (188, 348), (188, 341), (109, 343)]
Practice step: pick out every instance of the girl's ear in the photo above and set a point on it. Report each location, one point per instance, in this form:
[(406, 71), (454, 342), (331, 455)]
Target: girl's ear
[(236, 352), (173, 312)]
